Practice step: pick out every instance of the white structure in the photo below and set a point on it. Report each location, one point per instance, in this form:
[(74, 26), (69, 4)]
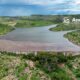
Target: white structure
[(66, 20), (75, 20)]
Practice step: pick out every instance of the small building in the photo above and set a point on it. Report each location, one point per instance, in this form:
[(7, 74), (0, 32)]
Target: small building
[(66, 20), (75, 20)]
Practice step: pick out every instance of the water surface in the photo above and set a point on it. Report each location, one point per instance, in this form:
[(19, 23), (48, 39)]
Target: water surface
[(41, 35)]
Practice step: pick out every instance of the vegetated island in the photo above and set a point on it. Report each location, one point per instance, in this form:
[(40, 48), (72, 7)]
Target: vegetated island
[(43, 66)]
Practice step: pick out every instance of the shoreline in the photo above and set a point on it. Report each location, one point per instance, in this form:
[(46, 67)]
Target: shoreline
[(20, 46)]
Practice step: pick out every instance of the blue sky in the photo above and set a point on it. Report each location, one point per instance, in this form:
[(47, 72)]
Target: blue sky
[(44, 7)]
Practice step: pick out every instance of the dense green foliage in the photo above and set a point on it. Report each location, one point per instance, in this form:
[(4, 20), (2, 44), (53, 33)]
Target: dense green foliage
[(50, 63), (48, 60)]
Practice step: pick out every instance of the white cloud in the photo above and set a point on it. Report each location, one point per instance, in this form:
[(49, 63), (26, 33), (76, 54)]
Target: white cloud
[(38, 2), (45, 2), (77, 1), (41, 2)]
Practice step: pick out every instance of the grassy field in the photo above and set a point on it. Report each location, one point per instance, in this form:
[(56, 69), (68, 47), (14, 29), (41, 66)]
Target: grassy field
[(66, 27), (32, 23), (44, 66)]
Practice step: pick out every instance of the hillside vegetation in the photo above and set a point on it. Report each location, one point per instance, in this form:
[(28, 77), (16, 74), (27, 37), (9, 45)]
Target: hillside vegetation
[(5, 28), (43, 66)]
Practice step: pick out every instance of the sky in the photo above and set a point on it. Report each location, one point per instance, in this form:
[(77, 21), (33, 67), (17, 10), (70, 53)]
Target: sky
[(41, 7)]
